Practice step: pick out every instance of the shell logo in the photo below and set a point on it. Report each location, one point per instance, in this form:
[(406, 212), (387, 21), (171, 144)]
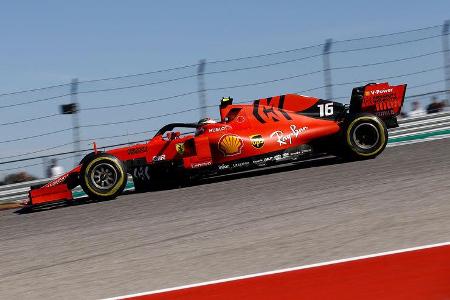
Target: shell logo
[(230, 144)]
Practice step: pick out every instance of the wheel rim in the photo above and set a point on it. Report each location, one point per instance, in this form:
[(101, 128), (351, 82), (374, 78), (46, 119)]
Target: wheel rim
[(366, 136), (104, 176)]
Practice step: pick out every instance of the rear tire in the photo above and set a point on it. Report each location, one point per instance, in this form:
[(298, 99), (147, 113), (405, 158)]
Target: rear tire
[(365, 137), (103, 176)]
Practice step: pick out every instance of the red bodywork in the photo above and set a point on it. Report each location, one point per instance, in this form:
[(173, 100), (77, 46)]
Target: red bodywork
[(268, 125)]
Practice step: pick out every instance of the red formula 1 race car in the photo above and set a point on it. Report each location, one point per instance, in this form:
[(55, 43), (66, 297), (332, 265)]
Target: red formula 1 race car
[(267, 131)]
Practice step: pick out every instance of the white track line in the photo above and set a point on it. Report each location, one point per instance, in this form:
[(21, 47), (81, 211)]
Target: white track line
[(338, 261)]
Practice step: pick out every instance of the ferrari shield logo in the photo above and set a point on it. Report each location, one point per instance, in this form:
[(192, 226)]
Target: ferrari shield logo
[(180, 148), (257, 141)]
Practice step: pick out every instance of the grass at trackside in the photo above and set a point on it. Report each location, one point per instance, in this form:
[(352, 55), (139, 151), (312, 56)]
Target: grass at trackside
[(12, 205)]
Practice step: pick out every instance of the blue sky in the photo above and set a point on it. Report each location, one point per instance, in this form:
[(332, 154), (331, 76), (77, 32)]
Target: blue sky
[(50, 42)]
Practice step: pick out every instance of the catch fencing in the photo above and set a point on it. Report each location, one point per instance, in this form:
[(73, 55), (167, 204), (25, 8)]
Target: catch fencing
[(423, 124), (128, 108)]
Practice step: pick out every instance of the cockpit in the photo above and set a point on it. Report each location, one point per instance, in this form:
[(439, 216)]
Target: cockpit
[(203, 125), (166, 132)]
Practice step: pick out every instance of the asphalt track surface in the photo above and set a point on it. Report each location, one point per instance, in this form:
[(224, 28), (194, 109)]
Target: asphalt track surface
[(260, 221)]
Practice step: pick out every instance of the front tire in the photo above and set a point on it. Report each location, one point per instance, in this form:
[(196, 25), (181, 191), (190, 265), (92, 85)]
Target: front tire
[(365, 137), (103, 176)]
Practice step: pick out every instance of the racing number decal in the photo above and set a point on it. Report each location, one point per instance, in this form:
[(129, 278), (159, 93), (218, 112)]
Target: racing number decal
[(269, 112), (326, 109)]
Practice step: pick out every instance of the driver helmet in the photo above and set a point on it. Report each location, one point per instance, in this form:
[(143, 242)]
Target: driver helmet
[(205, 121)]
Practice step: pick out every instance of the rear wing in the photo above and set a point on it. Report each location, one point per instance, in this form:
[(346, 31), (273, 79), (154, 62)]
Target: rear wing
[(381, 99)]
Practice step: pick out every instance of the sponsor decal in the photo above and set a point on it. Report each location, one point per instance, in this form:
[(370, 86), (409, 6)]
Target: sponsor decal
[(383, 101), (377, 92), (257, 141), (180, 148), (218, 129), (200, 165), (133, 151), (159, 157), (263, 160), (57, 181), (284, 139), (142, 173), (240, 164), (235, 165), (230, 144), (385, 113)]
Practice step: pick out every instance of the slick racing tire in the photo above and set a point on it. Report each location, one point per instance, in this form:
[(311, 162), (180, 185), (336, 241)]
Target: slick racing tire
[(365, 136), (103, 176)]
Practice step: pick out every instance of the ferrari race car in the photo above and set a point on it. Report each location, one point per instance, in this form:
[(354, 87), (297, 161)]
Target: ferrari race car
[(271, 130)]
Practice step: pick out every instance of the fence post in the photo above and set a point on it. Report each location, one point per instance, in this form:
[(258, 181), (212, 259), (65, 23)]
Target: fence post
[(201, 88), (327, 70), (75, 120), (72, 109), (446, 52)]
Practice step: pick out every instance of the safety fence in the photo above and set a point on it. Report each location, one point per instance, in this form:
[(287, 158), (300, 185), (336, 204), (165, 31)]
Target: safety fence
[(18, 191), (410, 129), (35, 126), (439, 122)]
